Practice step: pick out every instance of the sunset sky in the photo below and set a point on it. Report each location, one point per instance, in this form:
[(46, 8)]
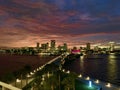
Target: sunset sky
[(25, 22)]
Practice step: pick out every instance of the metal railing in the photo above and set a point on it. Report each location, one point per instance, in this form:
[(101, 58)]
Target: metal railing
[(8, 86)]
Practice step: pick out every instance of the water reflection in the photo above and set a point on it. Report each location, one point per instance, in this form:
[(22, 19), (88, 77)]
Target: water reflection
[(112, 67), (82, 63), (102, 67)]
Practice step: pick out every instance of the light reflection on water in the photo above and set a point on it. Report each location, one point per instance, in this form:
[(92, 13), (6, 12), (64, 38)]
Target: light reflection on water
[(112, 67), (103, 67)]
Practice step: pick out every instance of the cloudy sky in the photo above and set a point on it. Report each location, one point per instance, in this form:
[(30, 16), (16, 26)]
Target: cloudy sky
[(25, 22)]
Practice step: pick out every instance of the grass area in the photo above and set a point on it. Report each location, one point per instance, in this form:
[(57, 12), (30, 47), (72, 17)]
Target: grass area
[(83, 86)]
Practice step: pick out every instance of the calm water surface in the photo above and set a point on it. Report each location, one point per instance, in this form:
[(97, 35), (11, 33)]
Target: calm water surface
[(103, 67)]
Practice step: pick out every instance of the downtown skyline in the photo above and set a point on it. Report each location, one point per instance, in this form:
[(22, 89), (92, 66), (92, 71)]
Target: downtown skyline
[(25, 22)]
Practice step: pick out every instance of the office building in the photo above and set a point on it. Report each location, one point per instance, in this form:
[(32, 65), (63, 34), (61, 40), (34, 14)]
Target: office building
[(37, 45), (88, 46), (53, 45), (112, 45)]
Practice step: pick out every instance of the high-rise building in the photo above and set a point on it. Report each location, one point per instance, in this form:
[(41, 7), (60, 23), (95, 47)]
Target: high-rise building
[(45, 46), (112, 44), (88, 46), (65, 46), (53, 44), (38, 45)]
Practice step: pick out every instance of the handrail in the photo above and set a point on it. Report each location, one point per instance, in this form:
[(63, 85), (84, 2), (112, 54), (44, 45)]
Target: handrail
[(9, 86)]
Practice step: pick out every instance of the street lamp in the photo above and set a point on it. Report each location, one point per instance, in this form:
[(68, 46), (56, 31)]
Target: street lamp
[(18, 80), (63, 70), (97, 81), (68, 72), (80, 76), (88, 78), (28, 75), (108, 85), (31, 73)]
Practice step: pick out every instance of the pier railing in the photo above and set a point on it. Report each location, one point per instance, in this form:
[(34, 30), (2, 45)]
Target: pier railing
[(8, 86)]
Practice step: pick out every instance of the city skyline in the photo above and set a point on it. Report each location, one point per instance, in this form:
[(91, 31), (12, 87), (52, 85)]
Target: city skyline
[(75, 22)]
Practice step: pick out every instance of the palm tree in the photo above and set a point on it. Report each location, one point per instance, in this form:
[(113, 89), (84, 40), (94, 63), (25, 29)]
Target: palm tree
[(38, 78), (27, 69), (16, 75), (53, 82), (59, 75), (50, 68), (69, 81)]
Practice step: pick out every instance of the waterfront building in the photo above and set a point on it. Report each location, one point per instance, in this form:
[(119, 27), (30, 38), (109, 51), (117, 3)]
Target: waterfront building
[(88, 46), (45, 46), (38, 45), (53, 45), (65, 47), (75, 50), (112, 45)]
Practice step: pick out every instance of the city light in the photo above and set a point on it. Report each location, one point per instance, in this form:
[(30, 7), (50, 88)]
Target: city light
[(40, 68), (81, 57), (97, 81), (108, 85), (68, 72), (37, 69), (43, 79), (80, 76), (41, 83), (87, 78), (18, 80), (90, 83), (28, 75), (48, 74), (63, 70), (31, 73)]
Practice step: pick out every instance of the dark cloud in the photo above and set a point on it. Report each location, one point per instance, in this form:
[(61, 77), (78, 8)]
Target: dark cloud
[(25, 22)]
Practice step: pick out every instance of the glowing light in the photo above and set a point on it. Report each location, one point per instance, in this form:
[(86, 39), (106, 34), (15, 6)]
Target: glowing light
[(88, 78), (41, 83), (48, 75), (34, 70), (97, 81), (108, 85), (43, 78), (90, 83), (28, 75), (37, 69), (80, 76), (63, 70), (31, 73), (111, 42), (81, 57), (18, 80), (40, 68), (68, 72)]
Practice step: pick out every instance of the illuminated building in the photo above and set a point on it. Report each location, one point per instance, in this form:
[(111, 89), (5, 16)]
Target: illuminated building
[(88, 46), (53, 44), (75, 50), (45, 46), (112, 44), (65, 47)]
